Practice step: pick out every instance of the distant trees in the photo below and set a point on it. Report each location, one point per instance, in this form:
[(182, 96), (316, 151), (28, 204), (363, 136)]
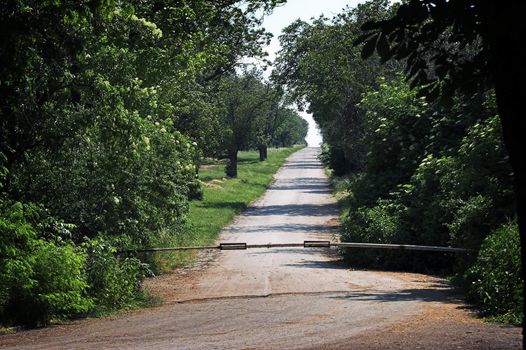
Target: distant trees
[(246, 100), (327, 78), (292, 129), (255, 117)]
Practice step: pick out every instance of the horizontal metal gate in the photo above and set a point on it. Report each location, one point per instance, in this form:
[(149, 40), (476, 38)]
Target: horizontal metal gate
[(305, 244)]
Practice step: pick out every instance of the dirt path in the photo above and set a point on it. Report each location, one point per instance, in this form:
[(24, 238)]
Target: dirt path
[(284, 298)]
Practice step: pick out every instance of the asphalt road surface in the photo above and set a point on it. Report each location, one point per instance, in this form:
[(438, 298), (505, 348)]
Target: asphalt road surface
[(284, 298)]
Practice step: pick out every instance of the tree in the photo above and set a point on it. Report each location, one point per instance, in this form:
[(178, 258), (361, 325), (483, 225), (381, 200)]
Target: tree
[(245, 100), (291, 130), (464, 45), (268, 121), (278, 125)]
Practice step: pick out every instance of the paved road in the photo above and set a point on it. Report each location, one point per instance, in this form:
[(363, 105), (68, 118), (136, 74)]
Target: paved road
[(287, 298), (297, 207)]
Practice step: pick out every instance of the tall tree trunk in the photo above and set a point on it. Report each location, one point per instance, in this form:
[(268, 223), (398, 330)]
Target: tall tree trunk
[(509, 69), (231, 164), (262, 152)]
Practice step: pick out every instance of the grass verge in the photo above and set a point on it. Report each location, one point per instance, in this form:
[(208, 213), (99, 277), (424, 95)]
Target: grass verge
[(340, 190)]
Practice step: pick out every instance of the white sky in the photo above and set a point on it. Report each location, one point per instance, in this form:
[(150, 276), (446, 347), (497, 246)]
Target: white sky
[(305, 10)]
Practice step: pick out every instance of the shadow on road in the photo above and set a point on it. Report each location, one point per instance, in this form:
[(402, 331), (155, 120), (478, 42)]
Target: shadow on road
[(294, 210), (285, 228), (320, 265), (439, 292), (303, 165)]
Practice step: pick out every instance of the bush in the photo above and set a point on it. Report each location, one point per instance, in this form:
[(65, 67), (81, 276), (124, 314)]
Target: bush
[(39, 280), (495, 278), (379, 224), (114, 282), (470, 222), (60, 288), (117, 182), (334, 158)]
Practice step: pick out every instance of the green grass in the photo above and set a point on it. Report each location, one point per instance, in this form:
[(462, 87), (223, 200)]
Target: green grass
[(223, 198)]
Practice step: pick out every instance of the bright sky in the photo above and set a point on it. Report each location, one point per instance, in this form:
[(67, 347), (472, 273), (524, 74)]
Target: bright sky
[(305, 10)]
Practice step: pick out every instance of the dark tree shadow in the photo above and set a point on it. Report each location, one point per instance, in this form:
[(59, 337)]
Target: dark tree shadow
[(328, 209), (285, 228), (439, 292), (234, 205)]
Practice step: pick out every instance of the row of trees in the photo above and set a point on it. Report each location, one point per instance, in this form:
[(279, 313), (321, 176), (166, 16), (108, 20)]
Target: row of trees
[(106, 109), (256, 117), (418, 170)]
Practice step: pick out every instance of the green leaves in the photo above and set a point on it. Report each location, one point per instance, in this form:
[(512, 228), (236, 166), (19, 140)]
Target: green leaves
[(374, 41), (495, 277), (39, 279), (443, 39)]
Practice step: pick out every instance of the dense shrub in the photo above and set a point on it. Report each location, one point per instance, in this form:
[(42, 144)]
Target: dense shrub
[(114, 282), (40, 280), (379, 224), (107, 181), (43, 276), (429, 178), (494, 281), (334, 158), (428, 204)]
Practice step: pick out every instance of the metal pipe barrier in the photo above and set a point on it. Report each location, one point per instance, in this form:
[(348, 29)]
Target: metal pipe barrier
[(305, 244)]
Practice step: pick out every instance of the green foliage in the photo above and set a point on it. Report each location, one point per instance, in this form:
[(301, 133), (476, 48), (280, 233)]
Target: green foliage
[(446, 47), (288, 128), (429, 179), (396, 129), (255, 116), (334, 158), (449, 180), (114, 282), (495, 279), (247, 104), (325, 75), (379, 224), (41, 280), (134, 192), (60, 284)]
